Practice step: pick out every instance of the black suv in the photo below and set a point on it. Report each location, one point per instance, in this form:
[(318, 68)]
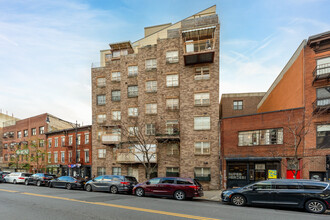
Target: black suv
[(312, 195), (39, 179), (2, 176)]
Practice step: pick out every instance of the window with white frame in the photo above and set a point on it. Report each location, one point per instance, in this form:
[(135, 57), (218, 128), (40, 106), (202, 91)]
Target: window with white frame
[(150, 129), (78, 155), (86, 138), (238, 105), (56, 142), (79, 139), (151, 64), (116, 171), (41, 130), (101, 82), (202, 73), (101, 118), (55, 157), (323, 66), (116, 115), (202, 147), (202, 99), (115, 95), (118, 53), (202, 172), (133, 112), (101, 153), (101, 100), (260, 137), (151, 86), (172, 56), (172, 104), (151, 108), (70, 140), (323, 136), (26, 133), (172, 149), (172, 172), (133, 131), (101, 171), (86, 151), (202, 123), (62, 157), (41, 143), (172, 127), (49, 160), (62, 141), (49, 142), (132, 71), (115, 77), (132, 91), (19, 134), (70, 156), (172, 80), (34, 131)]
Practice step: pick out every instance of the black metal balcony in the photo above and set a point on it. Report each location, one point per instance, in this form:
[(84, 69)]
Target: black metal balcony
[(321, 105), (171, 134), (200, 51), (322, 72)]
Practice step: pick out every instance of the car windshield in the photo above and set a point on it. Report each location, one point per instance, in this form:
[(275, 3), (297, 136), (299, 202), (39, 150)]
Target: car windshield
[(26, 174)]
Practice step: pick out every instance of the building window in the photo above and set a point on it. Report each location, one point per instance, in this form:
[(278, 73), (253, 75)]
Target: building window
[(116, 115), (101, 82), (238, 105), (41, 143), (86, 156), (323, 136), (202, 123), (56, 142), (260, 137), (202, 73), (70, 156), (78, 155), (62, 141), (70, 140), (150, 129), (151, 86), (49, 142), (116, 171), (203, 174), (86, 138), (62, 157), (323, 66), (151, 108), (132, 91), (79, 139), (34, 131), (133, 131), (172, 56), (101, 153), (172, 149), (101, 118), (118, 53), (99, 134), (19, 134), (56, 157), (202, 99), (172, 104), (323, 96), (172, 172), (26, 133), (41, 130), (151, 64), (132, 71), (100, 171), (133, 112), (49, 160), (115, 77), (172, 80), (101, 100), (202, 148), (115, 95), (172, 127)]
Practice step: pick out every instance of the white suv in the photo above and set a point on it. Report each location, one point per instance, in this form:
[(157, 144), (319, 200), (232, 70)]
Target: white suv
[(17, 177)]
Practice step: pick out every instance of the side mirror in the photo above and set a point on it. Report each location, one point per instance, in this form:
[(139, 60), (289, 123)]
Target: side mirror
[(93, 180), (148, 183)]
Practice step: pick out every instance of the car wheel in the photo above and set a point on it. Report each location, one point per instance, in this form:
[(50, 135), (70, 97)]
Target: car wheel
[(38, 183), (139, 192), (179, 195), (26, 182), (114, 189), (315, 206), (238, 200), (14, 181), (89, 188), (68, 186)]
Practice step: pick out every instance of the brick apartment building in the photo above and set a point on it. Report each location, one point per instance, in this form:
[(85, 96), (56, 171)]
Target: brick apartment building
[(24, 142), (69, 151), (253, 146), (166, 86)]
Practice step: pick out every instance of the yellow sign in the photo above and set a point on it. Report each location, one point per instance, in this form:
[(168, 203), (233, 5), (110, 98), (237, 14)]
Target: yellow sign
[(272, 174)]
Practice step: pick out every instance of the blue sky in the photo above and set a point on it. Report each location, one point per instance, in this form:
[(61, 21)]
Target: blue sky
[(47, 47)]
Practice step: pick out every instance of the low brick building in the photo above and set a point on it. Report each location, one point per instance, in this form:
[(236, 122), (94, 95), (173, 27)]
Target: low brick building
[(69, 152)]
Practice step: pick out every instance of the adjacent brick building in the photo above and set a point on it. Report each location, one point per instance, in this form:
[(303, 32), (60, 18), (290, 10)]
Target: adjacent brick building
[(69, 151), (24, 142), (168, 84)]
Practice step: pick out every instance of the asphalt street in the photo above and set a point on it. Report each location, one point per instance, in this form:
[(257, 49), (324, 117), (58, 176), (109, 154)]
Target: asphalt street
[(31, 202)]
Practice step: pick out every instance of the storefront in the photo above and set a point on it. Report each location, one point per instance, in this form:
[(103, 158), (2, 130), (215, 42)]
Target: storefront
[(53, 169), (243, 171), (79, 170)]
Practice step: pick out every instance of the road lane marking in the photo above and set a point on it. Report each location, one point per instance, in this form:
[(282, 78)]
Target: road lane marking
[(6, 190), (125, 207)]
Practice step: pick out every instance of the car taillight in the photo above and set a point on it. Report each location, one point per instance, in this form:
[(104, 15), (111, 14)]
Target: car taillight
[(21, 178), (125, 183), (194, 187), (76, 181)]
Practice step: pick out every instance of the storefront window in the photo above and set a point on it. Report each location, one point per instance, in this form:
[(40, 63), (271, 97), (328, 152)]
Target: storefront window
[(237, 171)]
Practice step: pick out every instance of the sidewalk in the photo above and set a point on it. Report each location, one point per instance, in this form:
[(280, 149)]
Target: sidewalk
[(212, 195)]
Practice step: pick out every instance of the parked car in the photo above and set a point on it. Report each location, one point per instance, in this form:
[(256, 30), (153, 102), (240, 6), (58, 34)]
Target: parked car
[(2, 176), (39, 179), (67, 182), (312, 195), (112, 183), (179, 188), (17, 177)]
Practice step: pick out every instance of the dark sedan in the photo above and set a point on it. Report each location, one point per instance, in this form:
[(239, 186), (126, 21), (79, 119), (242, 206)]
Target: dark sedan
[(312, 195), (177, 187), (111, 183), (39, 179), (67, 182)]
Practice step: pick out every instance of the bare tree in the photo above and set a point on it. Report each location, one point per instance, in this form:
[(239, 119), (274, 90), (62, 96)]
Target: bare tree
[(37, 147)]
